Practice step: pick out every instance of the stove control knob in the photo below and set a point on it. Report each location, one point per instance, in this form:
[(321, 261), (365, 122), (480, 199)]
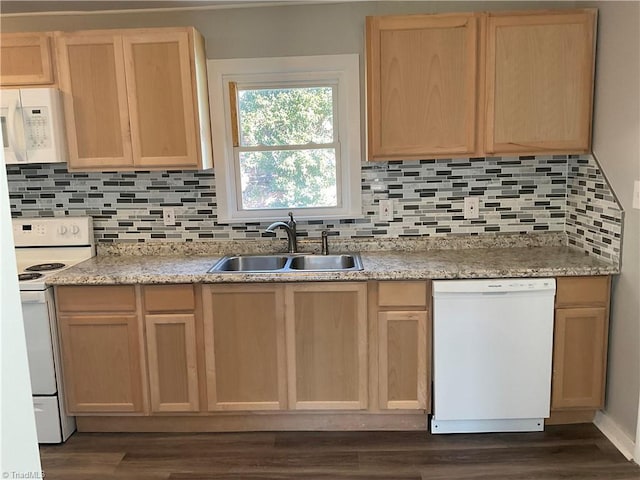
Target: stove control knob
[(62, 230), (75, 229)]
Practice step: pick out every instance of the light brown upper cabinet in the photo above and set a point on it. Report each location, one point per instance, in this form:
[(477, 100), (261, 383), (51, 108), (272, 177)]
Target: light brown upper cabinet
[(422, 86), (95, 98), (135, 99), (539, 82), (458, 85), (25, 59)]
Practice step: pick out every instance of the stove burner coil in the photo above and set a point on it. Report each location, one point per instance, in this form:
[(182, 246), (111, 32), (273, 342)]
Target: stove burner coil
[(44, 267), (28, 276)]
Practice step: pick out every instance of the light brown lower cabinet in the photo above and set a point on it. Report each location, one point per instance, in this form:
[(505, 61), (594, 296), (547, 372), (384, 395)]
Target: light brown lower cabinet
[(165, 350), (579, 353), (580, 343), (292, 346), (171, 351), (125, 345), (404, 344), (326, 325), (170, 326), (403, 360), (245, 347), (101, 349)]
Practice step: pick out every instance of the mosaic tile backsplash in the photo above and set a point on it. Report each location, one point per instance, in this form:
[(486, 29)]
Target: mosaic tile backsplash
[(594, 217), (517, 195)]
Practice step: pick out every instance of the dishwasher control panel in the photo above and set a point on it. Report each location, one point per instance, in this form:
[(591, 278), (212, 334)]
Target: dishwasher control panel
[(494, 285)]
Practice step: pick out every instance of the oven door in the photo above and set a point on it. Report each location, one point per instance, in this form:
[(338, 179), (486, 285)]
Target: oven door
[(37, 329)]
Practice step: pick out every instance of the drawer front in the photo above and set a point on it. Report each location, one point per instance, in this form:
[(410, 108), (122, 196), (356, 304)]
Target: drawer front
[(577, 291), (402, 294), (120, 298), (168, 298)]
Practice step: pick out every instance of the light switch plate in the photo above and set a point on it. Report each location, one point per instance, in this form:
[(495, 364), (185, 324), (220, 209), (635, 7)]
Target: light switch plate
[(471, 207), (168, 216), (636, 194), (386, 210)]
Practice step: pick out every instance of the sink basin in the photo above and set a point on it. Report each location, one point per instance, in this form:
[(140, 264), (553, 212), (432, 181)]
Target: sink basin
[(325, 262), (287, 263), (257, 263)]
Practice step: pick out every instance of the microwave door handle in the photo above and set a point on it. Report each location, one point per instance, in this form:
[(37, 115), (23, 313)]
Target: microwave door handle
[(11, 130)]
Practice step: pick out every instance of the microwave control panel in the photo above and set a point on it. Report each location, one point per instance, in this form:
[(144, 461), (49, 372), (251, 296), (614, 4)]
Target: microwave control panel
[(38, 128)]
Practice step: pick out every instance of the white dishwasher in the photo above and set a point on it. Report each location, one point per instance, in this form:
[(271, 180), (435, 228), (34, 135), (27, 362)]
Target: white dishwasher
[(492, 345)]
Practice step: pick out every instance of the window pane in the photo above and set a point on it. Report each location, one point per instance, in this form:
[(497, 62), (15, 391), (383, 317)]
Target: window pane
[(285, 116), (288, 179)]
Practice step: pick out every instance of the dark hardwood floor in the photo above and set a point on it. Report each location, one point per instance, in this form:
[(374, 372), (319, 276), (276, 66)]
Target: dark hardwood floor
[(560, 453)]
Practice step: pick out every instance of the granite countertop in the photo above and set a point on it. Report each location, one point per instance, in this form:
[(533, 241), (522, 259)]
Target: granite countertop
[(539, 261)]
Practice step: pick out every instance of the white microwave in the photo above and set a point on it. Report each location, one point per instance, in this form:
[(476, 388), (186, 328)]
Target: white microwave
[(32, 126)]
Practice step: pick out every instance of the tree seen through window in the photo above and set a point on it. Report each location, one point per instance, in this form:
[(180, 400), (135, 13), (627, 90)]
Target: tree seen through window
[(287, 150)]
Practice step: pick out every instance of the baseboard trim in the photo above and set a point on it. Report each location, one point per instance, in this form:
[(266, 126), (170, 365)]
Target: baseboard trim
[(566, 417), (255, 422), (615, 434)]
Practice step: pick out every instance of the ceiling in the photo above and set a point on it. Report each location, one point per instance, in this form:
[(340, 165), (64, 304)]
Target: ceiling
[(23, 6)]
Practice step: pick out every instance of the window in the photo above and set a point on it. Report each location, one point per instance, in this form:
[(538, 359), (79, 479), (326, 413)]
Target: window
[(286, 135)]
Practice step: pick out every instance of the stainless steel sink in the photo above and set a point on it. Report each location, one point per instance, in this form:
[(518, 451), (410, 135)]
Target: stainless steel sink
[(250, 263), (325, 262), (287, 263)]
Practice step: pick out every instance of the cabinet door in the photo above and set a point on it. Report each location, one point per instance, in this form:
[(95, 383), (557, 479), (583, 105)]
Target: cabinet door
[(92, 78), (161, 99), (403, 360), (539, 82), (173, 373), (101, 363), (579, 358), (327, 345), (422, 85), (26, 59), (245, 347)]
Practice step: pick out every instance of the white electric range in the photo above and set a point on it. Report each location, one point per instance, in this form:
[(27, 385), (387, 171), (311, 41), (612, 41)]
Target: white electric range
[(45, 246)]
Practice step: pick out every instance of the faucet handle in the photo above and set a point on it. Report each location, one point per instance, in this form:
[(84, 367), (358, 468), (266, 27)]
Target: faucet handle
[(291, 218)]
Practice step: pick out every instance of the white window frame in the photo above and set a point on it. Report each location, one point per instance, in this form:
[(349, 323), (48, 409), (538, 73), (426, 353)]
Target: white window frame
[(340, 70)]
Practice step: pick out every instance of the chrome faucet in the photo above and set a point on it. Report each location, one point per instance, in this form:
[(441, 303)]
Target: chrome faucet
[(290, 228), (325, 242)]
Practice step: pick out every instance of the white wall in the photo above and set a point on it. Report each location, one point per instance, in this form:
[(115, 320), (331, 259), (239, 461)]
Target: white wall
[(616, 144), (18, 441)]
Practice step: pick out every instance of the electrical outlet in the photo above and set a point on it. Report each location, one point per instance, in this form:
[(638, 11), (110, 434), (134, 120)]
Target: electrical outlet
[(386, 210), (471, 207), (636, 194), (168, 216)]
